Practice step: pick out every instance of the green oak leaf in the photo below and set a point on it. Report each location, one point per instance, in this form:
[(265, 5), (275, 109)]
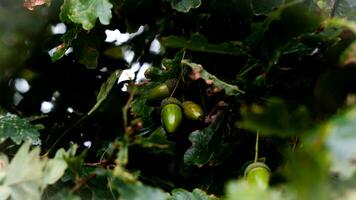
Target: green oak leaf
[(196, 194), (265, 6), (17, 129), (205, 143), (348, 56), (85, 12), (275, 119), (199, 43), (29, 182), (105, 89), (200, 72), (340, 142), (185, 5)]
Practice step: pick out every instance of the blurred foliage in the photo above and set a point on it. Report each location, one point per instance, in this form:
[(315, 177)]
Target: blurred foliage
[(275, 79)]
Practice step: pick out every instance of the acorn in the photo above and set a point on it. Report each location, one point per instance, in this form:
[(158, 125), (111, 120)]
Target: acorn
[(161, 91), (171, 114), (258, 174), (192, 111)]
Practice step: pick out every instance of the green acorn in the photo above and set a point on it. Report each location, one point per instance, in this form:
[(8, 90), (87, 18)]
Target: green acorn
[(192, 111), (171, 114), (258, 175), (161, 91)]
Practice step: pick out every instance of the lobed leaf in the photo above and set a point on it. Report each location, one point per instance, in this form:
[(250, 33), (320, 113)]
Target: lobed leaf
[(86, 12), (185, 5), (17, 129)]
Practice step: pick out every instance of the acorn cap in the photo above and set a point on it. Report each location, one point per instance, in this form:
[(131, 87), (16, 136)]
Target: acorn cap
[(256, 165), (170, 100)]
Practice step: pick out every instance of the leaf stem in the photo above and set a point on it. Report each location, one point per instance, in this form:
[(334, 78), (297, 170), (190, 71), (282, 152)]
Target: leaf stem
[(256, 146)]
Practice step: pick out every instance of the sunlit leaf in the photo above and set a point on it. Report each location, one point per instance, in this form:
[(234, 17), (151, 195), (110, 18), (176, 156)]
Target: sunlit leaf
[(86, 12), (341, 142), (185, 5), (340, 22), (28, 182), (31, 4), (240, 189), (17, 129)]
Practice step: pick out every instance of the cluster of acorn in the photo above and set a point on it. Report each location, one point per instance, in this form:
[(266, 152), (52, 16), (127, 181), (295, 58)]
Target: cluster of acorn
[(171, 109)]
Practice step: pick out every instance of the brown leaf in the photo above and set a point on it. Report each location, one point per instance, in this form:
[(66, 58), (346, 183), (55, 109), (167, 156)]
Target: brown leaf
[(31, 4)]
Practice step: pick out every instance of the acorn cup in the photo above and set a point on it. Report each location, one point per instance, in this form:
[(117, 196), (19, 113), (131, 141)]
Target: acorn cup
[(258, 175), (171, 114), (192, 111), (161, 91)]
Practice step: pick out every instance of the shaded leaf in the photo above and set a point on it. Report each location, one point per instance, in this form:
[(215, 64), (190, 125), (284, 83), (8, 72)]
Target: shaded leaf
[(157, 142), (185, 5), (105, 89), (17, 129), (264, 7), (196, 194), (199, 43), (86, 12), (200, 72), (275, 119), (288, 12), (63, 194), (88, 56), (204, 143)]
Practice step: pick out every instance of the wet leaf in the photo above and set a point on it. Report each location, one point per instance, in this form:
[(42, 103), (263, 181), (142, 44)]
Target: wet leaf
[(17, 129)]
